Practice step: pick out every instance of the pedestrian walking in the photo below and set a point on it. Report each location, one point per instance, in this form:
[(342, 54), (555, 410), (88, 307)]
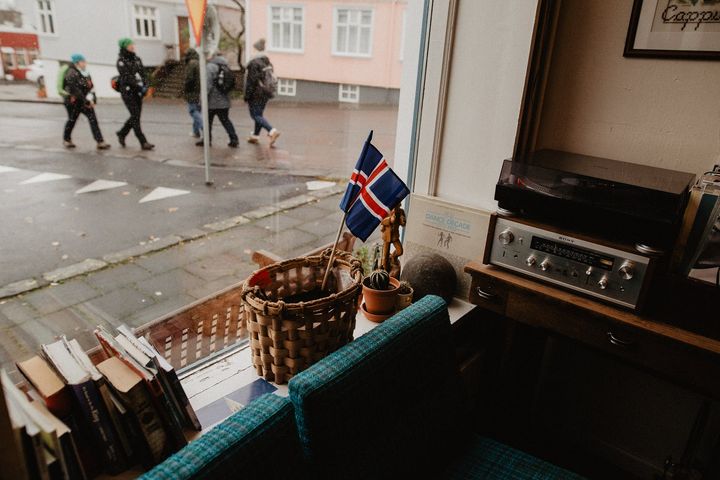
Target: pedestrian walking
[(191, 90), (260, 87), (133, 85), (220, 79), (76, 87)]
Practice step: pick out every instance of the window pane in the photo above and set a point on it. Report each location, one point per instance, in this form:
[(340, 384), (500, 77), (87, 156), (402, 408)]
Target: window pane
[(297, 37), (51, 23), (364, 40), (366, 17), (353, 16), (146, 28), (298, 14), (44, 26), (342, 16), (152, 24), (341, 39), (286, 35), (352, 39), (275, 39), (275, 13), (138, 28)]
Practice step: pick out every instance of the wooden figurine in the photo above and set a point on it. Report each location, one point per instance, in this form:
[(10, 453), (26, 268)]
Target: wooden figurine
[(390, 228)]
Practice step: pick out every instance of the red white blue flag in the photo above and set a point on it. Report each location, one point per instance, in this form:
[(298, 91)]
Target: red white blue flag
[(373, 191)]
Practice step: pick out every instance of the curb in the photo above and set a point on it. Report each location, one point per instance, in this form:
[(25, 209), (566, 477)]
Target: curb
[(90, 265)]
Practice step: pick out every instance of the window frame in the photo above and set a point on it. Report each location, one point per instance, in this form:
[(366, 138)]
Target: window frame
[(43, 13), (359, 8), (11, 52), (134, 17), (21, 53), (285, 91), (346, 99), (279, 49)]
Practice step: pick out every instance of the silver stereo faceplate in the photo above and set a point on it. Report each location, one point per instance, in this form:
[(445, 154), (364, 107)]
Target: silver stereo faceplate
[(597, 270)]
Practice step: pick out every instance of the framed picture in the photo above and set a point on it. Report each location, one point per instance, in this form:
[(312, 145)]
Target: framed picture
[(674, 29)]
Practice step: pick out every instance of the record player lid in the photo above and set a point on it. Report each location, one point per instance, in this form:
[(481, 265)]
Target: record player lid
[(615, 171)]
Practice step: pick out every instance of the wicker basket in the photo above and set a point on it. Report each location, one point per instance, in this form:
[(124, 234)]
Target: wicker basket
[(286, 338)]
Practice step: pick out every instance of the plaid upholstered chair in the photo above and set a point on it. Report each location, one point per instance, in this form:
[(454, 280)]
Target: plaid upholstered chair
[(259, 441), (390, 405)]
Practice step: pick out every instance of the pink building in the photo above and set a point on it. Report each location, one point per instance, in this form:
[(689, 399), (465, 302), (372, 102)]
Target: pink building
[(332, 50)]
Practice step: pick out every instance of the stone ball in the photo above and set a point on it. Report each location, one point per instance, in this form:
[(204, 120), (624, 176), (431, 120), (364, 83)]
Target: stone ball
[(430, 274)]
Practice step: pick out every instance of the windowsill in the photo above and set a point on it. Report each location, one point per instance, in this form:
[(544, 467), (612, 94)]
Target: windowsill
[(352, 55), (283, 50), (148, 39)]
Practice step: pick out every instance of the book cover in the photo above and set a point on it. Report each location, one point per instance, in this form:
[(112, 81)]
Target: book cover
[(11, 453), (453, 231), (222, 408), (132, 392)]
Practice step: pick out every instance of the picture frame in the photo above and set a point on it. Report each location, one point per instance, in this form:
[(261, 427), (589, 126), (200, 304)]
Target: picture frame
[(679, 29)]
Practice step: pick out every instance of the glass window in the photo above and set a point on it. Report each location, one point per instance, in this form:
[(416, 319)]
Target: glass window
[(21, 58), (353, 32), (287, 87), (46, 16), (146, 21), (8, 58), (349, 93), (286, 26)]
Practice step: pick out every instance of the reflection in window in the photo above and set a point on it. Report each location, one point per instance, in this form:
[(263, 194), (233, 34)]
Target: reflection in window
[(146, 22), (353, 31), (8, 58), (287, 87), (286, 28), (349, 93), (20, 56), (46, 14)]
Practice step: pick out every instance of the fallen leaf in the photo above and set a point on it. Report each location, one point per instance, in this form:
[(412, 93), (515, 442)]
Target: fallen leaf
[(126, 193), (172, 209)]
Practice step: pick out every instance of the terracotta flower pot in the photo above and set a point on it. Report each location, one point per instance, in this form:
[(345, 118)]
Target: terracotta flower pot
[(404, 300), (380, 302)]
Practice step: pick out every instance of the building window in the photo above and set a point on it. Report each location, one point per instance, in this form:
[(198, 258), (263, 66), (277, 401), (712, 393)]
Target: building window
[(21, 58), (286, 29), (349, 93), (8, 58), (146, 22), (32, 56), (287, 87), (47, 16), (353, 32)]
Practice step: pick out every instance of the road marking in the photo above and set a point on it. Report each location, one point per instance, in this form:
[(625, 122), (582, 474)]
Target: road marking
[(4, 169), (99, 185), (162, 192), (318, 185), (45, 177)]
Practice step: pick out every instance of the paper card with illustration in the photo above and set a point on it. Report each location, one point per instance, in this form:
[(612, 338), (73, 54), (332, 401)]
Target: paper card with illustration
[(454, 231), (222, 408)]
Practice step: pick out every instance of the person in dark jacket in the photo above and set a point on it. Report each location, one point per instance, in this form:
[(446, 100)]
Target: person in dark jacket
[(191, 90), (133, 84), (80, 99), (257, 93), (218, 102)]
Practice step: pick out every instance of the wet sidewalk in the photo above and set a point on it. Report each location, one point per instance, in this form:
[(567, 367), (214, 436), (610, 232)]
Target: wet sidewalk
[(147, 287)]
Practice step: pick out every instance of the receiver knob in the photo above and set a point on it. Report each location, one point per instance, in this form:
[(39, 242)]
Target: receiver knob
[(545, 265), (627, 270), (603, 283), (506, 237), (531, 261)]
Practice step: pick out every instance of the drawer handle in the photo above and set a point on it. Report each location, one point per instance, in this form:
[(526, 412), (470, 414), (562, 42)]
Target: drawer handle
[(485, 295), (618, 342)]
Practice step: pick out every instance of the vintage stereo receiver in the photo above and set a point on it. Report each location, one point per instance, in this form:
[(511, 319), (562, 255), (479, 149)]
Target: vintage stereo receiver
[(614, 273)]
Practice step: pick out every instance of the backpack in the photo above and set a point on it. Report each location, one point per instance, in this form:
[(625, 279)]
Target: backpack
[(269, 82), (115, 83), (225, 80), (61, 80)]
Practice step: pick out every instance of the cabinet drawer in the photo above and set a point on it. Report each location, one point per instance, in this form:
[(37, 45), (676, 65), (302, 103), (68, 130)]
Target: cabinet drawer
[(488, 293)]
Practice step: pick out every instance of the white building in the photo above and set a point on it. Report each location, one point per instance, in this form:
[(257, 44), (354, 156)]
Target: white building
[(93, 28)]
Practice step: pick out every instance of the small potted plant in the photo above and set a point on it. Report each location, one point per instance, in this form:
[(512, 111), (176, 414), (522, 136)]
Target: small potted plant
[(405, 295), (379, 295)]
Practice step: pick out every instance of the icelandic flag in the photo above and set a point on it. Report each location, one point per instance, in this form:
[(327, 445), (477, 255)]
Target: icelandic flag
[(382, 192), (370, 157)]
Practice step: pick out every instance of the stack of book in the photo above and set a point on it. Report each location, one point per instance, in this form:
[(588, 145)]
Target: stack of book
[(77, 420)]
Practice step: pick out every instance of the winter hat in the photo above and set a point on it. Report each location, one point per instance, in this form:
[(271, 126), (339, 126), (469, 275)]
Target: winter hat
[(77, 58), (125, 42)]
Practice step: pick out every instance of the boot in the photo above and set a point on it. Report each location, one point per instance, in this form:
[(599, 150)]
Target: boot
[(102, 145), (147, 146), (68, 144), (273, 134), (253, 139), (121, 139)]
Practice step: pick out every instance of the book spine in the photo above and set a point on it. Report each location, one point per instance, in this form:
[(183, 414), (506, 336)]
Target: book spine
[(72, 458), (191, 419), (114, 416), (165, 407), (139, 401), (95, 416)]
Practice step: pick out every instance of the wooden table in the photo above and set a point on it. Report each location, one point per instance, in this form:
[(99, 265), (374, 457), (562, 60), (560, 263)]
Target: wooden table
[(678, 340)]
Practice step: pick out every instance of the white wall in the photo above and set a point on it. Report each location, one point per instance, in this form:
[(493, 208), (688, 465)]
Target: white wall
[(650, 111)]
